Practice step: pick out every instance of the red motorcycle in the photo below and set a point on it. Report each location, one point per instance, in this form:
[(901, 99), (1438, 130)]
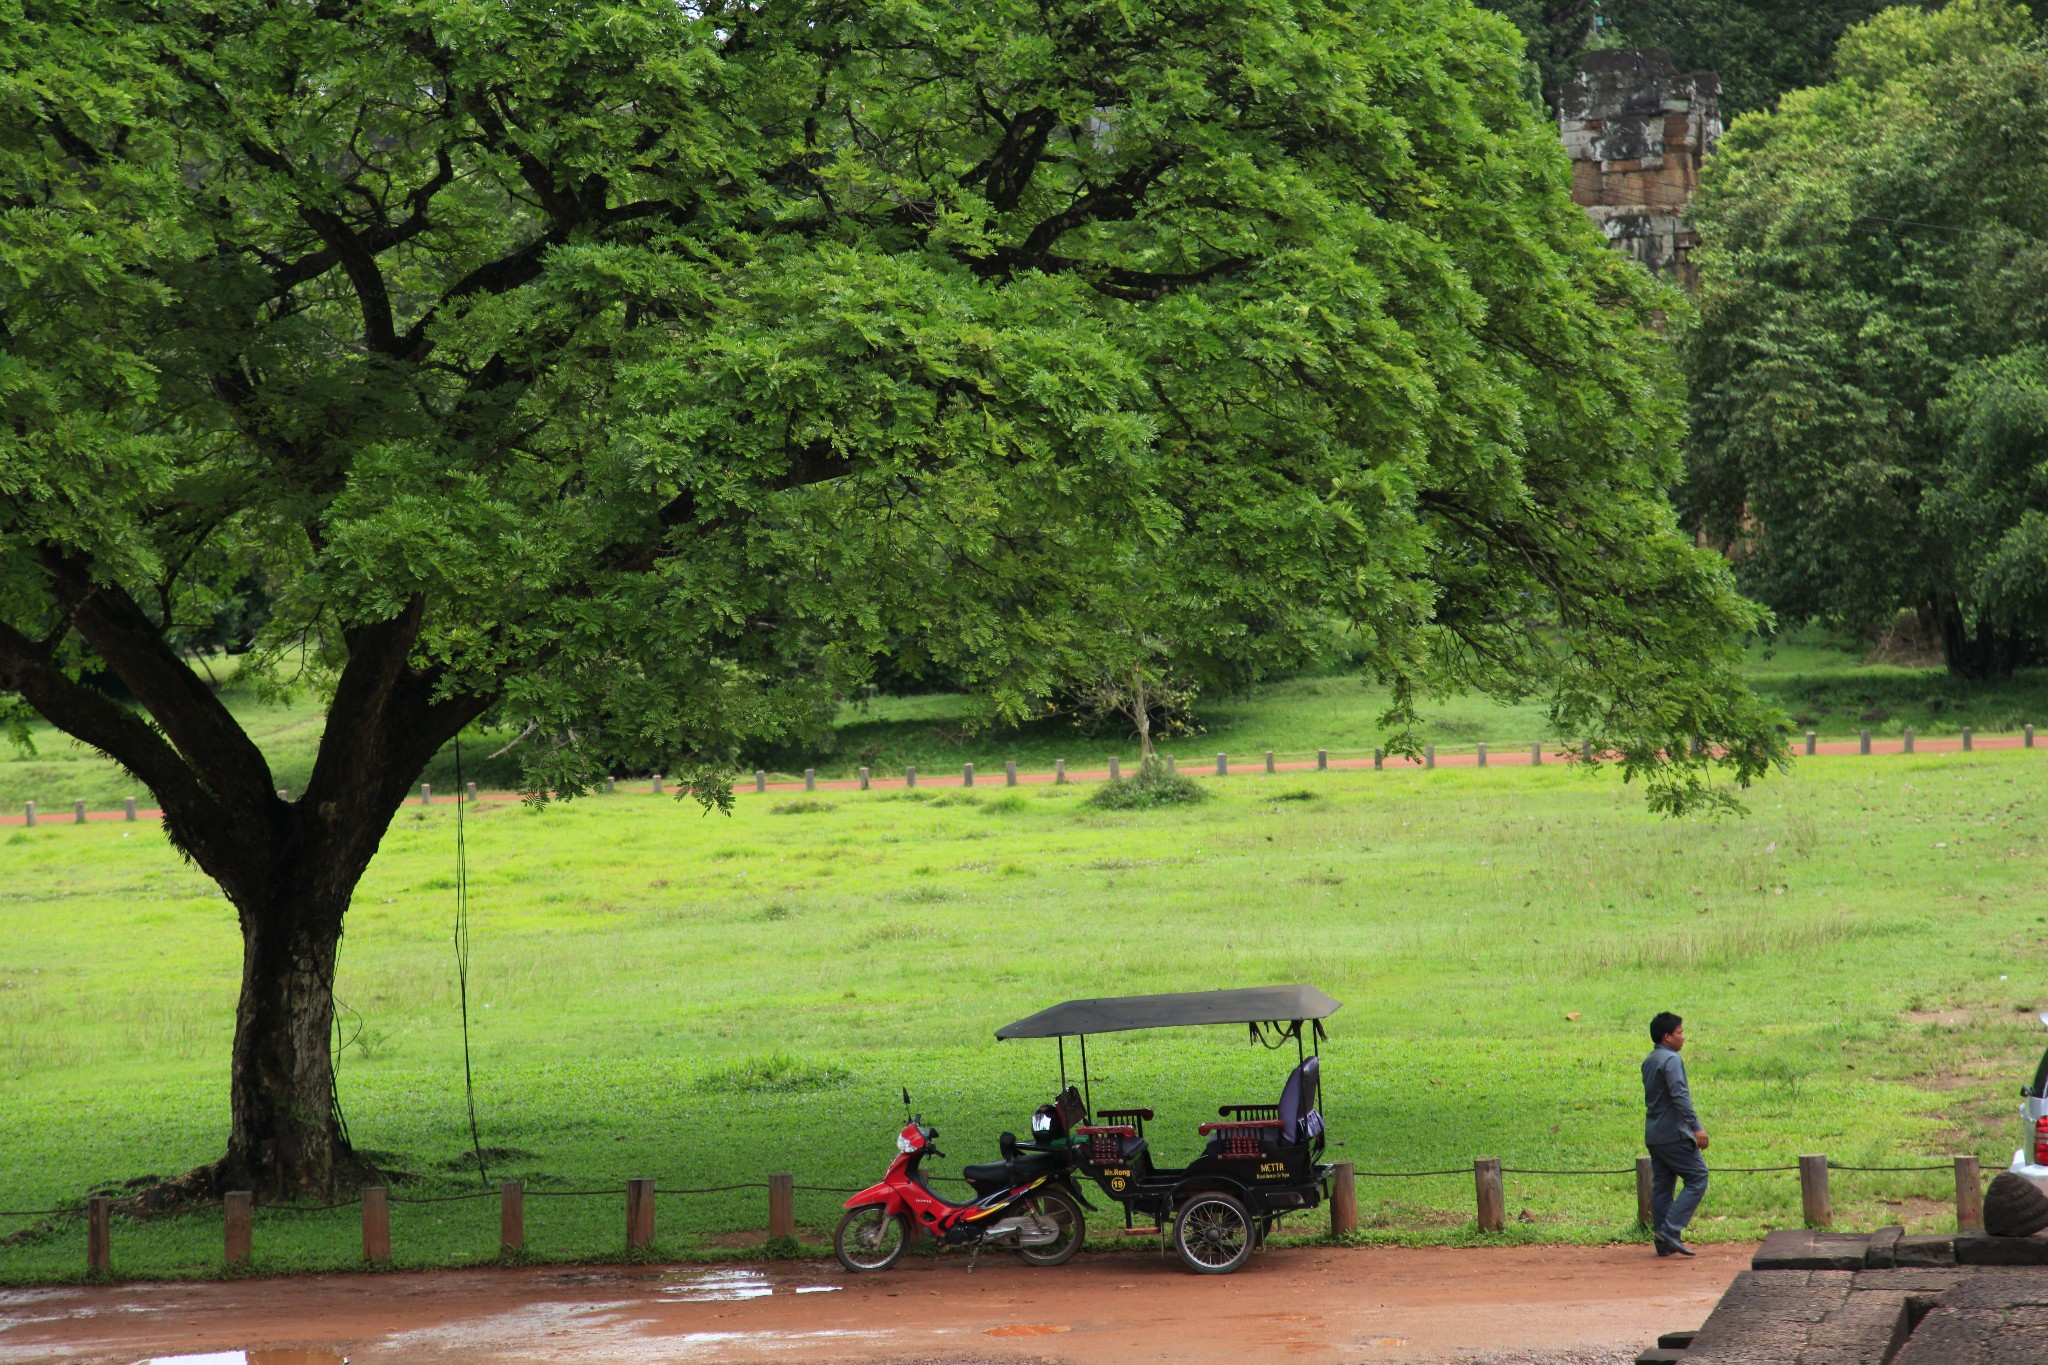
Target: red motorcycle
[(1026, 1204)]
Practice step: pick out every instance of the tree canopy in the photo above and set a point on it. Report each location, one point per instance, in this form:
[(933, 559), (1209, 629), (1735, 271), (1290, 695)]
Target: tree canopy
[(1759, 48), (627, 372), (1867, 364)]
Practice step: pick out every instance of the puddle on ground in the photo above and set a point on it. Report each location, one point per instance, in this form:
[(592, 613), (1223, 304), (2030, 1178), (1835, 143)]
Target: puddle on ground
[(726, 1286), (315, 1356)]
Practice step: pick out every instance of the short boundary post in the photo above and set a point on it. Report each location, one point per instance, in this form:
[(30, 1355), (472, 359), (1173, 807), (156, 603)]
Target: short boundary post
[(810, 779), (967, 774), (1482, 755), (1864, 739), (1811, 741), (511, 1217), (639, 1214), (1969, 1195), (1814, 1203), (1535, 755), (237, 1218), (1269, 761), (99, 1235), (376, 1224), (1645, 1192), (1009, 772), (781, 1205), (1493, 1204), (1322, 759), (863, 779), (1343, 1199)]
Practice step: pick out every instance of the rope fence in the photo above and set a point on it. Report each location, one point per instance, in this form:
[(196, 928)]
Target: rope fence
[(1516, 754), (238, 1208)]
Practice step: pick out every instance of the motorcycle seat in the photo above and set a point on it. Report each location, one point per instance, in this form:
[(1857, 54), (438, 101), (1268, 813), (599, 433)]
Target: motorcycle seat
[(1016, 1171)]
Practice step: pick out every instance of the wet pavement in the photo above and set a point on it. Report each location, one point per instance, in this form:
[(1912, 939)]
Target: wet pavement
[(1316, 1306)]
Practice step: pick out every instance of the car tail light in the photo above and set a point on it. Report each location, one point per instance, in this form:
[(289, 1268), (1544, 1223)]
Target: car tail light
[(2041, 1141)]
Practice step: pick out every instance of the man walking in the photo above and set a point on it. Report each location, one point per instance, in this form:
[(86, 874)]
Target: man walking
[(1672, 1132)]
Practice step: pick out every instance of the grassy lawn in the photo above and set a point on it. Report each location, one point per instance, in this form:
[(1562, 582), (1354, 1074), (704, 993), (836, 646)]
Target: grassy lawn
[(704, 1000)]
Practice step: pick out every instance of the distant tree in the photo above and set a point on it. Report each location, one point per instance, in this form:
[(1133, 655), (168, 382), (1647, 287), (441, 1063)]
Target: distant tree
[(1759, 48), (628, 372), (1867, 359), (1556, 33)]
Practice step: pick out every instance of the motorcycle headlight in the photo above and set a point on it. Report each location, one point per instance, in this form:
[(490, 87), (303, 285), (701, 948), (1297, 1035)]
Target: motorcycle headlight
[(904, 1144), (1041, 1123)]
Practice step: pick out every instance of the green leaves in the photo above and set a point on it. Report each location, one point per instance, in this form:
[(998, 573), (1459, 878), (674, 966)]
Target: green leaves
[(655, 365), (1870, 291)]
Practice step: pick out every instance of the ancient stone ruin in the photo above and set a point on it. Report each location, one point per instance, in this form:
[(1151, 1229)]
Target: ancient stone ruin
[(1637, 131)]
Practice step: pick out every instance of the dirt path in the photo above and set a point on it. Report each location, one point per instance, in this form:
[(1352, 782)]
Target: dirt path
[(1307, 1306)]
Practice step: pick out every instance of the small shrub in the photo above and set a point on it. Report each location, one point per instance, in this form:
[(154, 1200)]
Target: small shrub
[(775, 912), (958, 798), (1302, 795), (1150, 788), (1009, 803), (804, 806), (776, 1074), (924, 895)]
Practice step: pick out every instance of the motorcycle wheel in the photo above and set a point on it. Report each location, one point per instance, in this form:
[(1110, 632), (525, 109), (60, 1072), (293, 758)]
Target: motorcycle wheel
[(1059, 1206), (869, 1239)]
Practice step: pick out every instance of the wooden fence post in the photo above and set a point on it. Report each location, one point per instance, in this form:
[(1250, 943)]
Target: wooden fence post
[(1429, 755), (426, 793), (1059, 770), (781, 1205), (1482, 755), (1379, 759), (238, 1210), (910, 775), (78, 812), (863, 779), (1907, 737), (1810, 738), (1009, 772), (1969, 1195), (2028, 742), (1269, 760), (611, 784), (469, 793), (511, 1216), (1493, 1202), (1645, 1194), (376, 1224), (657, 784), (1322, 759), (128, 809), (31, 808), (1966, 739), (99, 1235), (1864, 736), (810, 779), (639, 1214), (1116, 773), (1813, 1191), (1223, 765), (1343, 1199), (1536, 755)]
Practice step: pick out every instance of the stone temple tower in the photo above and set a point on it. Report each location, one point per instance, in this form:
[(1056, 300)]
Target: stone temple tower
[(1637, 131)]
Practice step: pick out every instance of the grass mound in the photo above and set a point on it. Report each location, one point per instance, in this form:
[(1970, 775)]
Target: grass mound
[(1151, 788), (776, 1074)]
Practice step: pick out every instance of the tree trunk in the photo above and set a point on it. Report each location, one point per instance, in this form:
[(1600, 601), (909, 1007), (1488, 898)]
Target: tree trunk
[(1980, 655), (285, 1138), (1141, 714)]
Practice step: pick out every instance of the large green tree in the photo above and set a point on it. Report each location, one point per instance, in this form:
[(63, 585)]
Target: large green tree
[(627, 371), (1866, 363)]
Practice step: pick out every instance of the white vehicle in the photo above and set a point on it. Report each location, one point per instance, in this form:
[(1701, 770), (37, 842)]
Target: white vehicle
[(2031, 1160)]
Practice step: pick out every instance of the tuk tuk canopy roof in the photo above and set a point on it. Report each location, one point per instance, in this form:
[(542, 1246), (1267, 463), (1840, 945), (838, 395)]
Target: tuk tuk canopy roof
[(1250, 1005)]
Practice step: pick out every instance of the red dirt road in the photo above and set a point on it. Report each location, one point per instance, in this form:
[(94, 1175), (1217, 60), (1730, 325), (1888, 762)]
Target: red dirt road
[(1305, 1306)]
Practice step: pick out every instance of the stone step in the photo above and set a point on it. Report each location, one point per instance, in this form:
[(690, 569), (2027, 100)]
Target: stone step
[(1677, 1341), (1661, 1355)]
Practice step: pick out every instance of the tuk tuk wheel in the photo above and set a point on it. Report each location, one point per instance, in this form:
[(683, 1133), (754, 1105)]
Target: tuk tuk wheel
[(869, 1239), (1214, 1234)]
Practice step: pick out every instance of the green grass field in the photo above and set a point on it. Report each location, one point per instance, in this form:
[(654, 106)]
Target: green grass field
[(706, 999)]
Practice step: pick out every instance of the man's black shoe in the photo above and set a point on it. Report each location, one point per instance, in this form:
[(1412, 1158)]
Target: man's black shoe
[(1671, 1246)]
